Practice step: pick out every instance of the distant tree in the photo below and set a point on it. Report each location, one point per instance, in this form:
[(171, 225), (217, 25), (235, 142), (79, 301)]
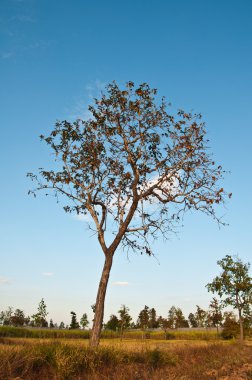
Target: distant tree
[(143, 318), (138, 164), (5, 316), (180, 320), (84, 321), (74, 324), (164, 323), (172, 317), (61, 325), (153, 322), (93, 310), (230, 326), (215, 313), (39, 319), (124, 319), (176, 319), (200, 317), (19, 318), (51, 324), (233, 286), (113, 323), (133, 325), (247, 317), (192, 320)]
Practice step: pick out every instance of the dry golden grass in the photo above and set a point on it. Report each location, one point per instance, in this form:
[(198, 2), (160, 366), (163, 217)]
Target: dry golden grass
[(55, 359)]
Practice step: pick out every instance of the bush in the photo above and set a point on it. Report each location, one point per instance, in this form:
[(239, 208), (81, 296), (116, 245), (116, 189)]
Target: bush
[(230, 329)]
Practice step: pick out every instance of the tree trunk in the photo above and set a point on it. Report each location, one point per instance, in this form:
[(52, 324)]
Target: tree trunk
[(241, 325), (100, 299)]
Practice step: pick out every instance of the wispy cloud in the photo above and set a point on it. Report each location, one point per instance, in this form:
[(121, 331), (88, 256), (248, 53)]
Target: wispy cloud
[(4, 280), (91, 91), (47, 274), (41, 44), (23, 18), (120, 283), (6, 55), (95, 88)]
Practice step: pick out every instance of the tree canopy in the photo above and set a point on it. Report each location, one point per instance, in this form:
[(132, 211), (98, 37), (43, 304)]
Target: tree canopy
[(135, 168), (133, 158)]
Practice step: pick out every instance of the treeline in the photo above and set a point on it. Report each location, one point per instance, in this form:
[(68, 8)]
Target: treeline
[(17, 318), (148, 320), (233, 286)]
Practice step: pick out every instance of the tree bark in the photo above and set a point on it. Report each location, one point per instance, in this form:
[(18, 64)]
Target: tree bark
[(100, 299), (241, 325)]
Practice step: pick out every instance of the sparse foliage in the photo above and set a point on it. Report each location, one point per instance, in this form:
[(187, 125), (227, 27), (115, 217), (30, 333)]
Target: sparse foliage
[(135, 168)]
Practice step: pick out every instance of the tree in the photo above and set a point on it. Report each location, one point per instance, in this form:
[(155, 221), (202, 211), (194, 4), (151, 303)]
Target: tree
[(234, 285), (74, 324), (5, 316), (61, 325), (200, 317), (192, 320), (135, 168), (84, 321), (19, 318), (153, 323), (230, 326), (143, 318), (176, 318), (215, 314), (247, 318), (39, 319), (125, 319), (172, 317), (51, 324), (180, 321), (113, 323), (164, 323)]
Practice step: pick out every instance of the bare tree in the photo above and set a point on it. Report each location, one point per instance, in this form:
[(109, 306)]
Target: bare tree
[(135, 169)]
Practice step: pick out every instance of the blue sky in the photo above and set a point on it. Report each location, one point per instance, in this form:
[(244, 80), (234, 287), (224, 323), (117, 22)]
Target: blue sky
[(55, 56)]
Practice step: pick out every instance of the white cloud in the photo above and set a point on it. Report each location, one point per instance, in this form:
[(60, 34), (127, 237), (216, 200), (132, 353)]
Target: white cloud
[(47, 274), (120, 283), (82, 218), (4, 280)]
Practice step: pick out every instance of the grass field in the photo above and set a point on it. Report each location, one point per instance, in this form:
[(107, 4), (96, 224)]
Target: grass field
[(191, 334), (129, 359)]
